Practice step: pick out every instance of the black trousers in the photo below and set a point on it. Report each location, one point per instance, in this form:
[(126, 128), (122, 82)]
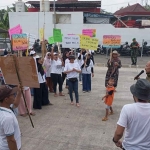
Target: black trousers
[(40, 96), (57, 79)]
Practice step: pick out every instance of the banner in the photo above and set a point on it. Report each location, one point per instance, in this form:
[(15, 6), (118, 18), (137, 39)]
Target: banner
[(15, 30), (111, 41), (41, 32), (87, 42), (51, 40), (145, 22), (27, 71), (19, 42), (71, 41), (89, 32), (57, 35)]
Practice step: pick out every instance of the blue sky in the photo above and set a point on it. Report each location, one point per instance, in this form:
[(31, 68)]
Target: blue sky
[(108, 5)]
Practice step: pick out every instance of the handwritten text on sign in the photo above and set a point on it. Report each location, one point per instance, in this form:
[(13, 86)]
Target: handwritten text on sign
[(89, 32), (87, 42), (15, 30), (71, 41), (111, 41), (19, 41)]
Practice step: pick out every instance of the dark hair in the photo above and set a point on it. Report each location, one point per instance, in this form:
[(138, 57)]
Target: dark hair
[(140, 100), (39, 66)]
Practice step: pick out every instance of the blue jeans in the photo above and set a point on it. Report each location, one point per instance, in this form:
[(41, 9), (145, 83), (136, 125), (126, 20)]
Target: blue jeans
[(80, 77), (73, 86), (86, 82)]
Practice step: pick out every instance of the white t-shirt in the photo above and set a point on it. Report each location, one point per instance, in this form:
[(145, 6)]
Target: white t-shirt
[(87, 70), (70, 66), (8, 126), (56, 66), (136, 120)]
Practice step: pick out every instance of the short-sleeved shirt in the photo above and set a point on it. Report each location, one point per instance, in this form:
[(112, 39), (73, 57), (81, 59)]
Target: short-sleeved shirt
[(8, 126), (56, 66), (70, 66), (135, 118), (109, 99)]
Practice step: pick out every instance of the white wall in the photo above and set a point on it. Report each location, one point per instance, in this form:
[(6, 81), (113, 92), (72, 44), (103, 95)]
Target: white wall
[(31, 22)]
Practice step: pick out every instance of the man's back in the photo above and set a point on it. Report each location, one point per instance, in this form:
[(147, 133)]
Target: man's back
[(136, 119)]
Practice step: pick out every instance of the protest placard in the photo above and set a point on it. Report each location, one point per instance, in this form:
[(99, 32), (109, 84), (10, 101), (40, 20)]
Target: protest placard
[(71, 41), (57, 35), (15, 30), (41, 32), (111, 41), (32, 38), (51, 40), (87, 42), (19, 42), (26, 67), (89, 32)]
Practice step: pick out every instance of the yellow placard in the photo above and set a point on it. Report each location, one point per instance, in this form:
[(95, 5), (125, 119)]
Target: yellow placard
[(41, 31), (87, 42)]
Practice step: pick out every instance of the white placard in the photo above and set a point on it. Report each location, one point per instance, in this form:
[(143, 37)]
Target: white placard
[(145, 22), (31, 38), (71, 41)]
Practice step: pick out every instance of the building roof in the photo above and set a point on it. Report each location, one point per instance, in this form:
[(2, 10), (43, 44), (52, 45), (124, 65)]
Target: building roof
[(68, 3), (135, 9)]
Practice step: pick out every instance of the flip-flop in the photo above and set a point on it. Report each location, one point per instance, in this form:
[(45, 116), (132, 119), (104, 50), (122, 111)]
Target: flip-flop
[(77, 105), (72, 103), (32, 113), (61, 95), (55, 95), (111, 113), (104, 119)]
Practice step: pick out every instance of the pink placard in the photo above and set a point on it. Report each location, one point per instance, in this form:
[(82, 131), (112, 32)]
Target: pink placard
[(15, 30), (89, 32)]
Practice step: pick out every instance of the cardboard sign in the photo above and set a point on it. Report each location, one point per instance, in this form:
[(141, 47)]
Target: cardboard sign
[(111, 41), (87, 42), (41, 32), (57, 35), (19, 42), (26, 68), (89, 32), (71, 41), (51, 40), (15, 30)]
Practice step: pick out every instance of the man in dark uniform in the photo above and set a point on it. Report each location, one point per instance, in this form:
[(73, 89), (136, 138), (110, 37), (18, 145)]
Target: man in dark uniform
[(134, 51)]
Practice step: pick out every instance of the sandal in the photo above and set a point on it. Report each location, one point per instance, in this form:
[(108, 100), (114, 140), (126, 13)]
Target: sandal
[(61, 94), (32, 113), (55, 95), (23, 115), (104, 119), (77, 105), (72, 103), (111, 113)]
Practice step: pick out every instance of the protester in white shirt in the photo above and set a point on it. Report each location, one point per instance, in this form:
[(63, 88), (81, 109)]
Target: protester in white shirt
[(56, 71), (87, 72), (10, 136), (81, 57), (72, 69), (134, 121), (41, 94), (47, 68)]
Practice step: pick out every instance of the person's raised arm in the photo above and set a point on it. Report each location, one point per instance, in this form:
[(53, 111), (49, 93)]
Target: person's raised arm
[(52, 53)]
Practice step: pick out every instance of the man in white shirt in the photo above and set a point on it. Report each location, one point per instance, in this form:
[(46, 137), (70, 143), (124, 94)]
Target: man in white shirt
[(135, 119), (10, 137)]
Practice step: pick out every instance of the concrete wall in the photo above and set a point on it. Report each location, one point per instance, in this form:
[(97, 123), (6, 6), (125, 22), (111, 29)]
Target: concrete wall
[(31, 22)]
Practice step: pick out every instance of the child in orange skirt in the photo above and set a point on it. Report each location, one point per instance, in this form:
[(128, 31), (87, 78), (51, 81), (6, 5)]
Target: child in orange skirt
[(108, 98)]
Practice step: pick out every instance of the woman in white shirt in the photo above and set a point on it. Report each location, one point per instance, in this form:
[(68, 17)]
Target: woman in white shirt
[(56, 71), (40, 94), (87, 72), (47, 68), (72, 69)]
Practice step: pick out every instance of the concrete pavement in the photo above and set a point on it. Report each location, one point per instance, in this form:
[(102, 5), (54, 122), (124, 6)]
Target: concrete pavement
[(66, 127)]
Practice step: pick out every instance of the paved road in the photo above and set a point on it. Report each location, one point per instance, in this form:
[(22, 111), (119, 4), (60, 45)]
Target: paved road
[(66, 127)]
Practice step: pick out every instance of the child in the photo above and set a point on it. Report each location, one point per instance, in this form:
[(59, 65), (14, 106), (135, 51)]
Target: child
[(109, 98)]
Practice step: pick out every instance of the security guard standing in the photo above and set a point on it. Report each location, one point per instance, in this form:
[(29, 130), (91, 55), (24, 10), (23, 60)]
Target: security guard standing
[(134, 51)]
